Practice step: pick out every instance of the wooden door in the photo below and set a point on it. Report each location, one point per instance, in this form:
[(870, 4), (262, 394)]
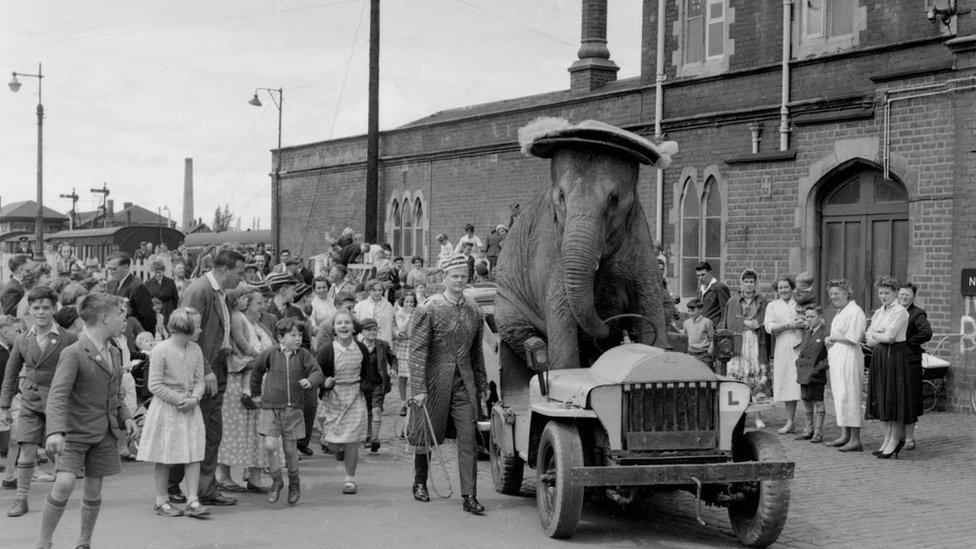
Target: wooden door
[(864, 233)]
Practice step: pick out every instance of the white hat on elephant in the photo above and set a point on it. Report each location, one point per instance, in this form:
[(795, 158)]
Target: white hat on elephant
[(544, 135), (459, 261)]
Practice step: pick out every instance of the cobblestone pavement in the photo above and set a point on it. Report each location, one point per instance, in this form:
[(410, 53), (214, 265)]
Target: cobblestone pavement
[(838, 500)]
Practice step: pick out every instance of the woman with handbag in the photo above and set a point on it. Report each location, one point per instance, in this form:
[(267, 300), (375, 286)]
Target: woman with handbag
[(240, 444)]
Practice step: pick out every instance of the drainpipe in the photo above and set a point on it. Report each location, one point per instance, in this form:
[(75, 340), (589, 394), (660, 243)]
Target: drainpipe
[(784, 109), (658, 115)]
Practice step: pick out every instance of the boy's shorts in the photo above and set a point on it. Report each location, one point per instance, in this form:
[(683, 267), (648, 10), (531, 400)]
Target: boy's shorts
[(100, 459), (374, 397), (286, 423), (31, 424)]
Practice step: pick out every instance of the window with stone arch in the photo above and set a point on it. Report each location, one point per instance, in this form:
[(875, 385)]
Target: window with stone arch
[(700, 232), (406, 226), (418, 228), (396, 225)]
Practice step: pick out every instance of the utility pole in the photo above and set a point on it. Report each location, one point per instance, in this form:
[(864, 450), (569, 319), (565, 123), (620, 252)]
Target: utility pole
[(104, 192), (74, 198), (372, 133)]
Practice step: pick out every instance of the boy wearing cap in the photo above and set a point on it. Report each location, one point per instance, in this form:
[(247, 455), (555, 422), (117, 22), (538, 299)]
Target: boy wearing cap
[(699, 331), (447, 376), (382, 366), (37, 352)]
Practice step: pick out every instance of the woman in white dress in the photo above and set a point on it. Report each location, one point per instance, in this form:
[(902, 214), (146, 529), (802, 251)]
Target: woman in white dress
[(846, 361), (785, 325)]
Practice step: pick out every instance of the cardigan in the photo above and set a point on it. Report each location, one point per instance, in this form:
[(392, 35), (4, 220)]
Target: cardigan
[(280, 385), (326, 360)]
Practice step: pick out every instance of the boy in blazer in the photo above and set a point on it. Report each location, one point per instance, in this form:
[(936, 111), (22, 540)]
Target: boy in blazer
[(85, 410), (811, 373), (36, 353)]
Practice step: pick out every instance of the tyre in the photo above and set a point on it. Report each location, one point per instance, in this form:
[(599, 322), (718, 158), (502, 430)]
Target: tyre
[(506, 471), (930, 396), (759, 519), (560, 503)]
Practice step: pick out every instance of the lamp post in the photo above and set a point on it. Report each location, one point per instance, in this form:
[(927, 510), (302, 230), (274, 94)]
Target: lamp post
[(276, 171), (39, 219)]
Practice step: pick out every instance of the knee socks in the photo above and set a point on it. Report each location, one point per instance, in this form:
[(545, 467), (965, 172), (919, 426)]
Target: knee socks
[(420, 464), (25, 472), (89, 514), (53, 510)]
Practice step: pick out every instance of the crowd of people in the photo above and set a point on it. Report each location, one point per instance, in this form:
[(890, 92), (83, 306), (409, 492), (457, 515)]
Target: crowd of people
[(234, 362), (793, 346)]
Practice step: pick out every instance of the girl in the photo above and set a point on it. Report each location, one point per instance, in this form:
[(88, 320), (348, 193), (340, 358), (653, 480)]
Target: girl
[(345, 365), (173, 432), (783, 322), (401, 344), (240, 445)]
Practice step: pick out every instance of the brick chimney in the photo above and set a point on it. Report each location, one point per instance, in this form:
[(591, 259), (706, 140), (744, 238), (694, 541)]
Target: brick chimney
[(187, 194), (109, 208), (594, 67)]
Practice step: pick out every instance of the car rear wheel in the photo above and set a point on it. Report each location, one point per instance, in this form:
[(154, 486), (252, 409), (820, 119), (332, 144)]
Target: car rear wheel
[(559, 502), (759, 519)]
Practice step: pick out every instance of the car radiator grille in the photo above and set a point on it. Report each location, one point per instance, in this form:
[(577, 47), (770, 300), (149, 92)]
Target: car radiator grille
[(670, 416)]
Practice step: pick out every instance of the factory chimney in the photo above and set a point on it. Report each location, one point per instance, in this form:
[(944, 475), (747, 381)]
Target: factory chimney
[(187, 194)]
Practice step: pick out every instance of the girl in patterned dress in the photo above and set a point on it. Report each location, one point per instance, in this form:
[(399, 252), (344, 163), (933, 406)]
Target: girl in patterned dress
[(173, 432), (401, 344), (344, 364)]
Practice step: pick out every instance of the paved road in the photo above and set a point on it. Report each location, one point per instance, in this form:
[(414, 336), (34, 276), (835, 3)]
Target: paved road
[(838, 499)]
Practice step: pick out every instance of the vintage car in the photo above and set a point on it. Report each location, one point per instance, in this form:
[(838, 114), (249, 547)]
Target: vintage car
[(641, 418)]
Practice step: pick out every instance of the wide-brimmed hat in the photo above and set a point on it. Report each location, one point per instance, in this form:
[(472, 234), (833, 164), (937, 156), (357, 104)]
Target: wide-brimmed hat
[(544, 136), (277, 281)]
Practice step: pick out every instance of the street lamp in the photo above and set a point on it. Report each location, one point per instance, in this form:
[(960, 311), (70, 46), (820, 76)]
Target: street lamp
[(14, 85), (276, 173)]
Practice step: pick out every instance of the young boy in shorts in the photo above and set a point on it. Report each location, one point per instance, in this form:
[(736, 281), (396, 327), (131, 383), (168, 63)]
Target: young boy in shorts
[(285, 372), (37, 353), (85, 411), (382, 366)]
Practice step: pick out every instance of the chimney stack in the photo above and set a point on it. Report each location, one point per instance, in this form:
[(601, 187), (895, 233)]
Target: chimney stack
[(594, 68), (110, 208), (187, 194), (126, 205)]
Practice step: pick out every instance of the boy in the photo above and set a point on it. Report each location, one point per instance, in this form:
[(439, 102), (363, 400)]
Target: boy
[(37, 352), (10, 328), (285, 372), (382, 366), (811, 373), (84, 412), (699, 331)]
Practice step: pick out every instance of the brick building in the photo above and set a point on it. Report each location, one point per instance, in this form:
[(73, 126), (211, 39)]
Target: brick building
[(852, 158)]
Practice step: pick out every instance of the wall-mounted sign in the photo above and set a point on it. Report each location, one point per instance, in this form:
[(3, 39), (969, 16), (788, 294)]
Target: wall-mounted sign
[(969, 282)]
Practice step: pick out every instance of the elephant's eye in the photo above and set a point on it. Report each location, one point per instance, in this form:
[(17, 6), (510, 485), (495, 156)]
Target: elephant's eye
[(613, 200)]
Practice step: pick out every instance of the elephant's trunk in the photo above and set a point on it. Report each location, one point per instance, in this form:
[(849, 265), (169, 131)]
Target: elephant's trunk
[(581, 251)]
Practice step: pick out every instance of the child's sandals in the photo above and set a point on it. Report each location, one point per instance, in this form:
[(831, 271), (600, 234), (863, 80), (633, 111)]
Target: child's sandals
[(349, 487), (167, 510), (196, 509)]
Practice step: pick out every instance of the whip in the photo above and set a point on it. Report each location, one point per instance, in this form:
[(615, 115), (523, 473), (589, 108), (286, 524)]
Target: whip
[(430, 439)]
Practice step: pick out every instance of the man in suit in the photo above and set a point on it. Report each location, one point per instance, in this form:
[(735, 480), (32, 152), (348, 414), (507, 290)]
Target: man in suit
[(85, 411), (124, 284), (711, 292), (36, 353), (206, 295), (24, 247), (811, 373), (13, 291), (163, 288)]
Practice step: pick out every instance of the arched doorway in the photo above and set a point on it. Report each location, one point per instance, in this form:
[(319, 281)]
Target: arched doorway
[(863, 230)]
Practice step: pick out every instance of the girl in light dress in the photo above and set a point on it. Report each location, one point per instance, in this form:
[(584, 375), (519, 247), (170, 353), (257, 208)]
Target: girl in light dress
[(783, 322), (401, 344), (173, 432)]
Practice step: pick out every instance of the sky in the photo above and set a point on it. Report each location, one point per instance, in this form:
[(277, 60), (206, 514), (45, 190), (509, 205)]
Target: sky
[(133, 87)]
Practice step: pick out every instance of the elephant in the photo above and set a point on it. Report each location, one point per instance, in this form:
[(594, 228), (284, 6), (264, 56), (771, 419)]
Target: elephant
[(581, 250)]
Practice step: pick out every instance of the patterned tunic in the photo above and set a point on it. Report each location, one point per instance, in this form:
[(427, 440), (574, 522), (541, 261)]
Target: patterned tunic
[(446, 338)]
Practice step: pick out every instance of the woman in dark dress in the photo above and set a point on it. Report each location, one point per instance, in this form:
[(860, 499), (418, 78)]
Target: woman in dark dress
[(890, 397), (917, 334)]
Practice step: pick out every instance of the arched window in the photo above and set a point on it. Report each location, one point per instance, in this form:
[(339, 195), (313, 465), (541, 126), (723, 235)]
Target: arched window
[(396, 216), (418, 227), (408, 244), (700, 232)]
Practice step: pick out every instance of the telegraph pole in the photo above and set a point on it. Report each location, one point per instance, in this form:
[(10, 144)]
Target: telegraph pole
[(104, 192), (372, 133), (73, 197)]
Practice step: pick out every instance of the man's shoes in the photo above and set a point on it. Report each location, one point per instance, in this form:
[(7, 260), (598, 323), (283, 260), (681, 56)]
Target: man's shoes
[(255, 489), (420, 492), (231, 487), (177, 497), (18, 507), (9, 484), (471, 505), (275, 491), (304, 449), (374, 446), (218, 500), (294, 489)]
